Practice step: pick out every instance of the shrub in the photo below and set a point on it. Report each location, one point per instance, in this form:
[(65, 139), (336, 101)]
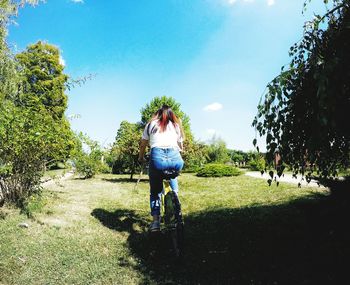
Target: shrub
[(29, 140), (88, 157), (218, 170), (34, 204), (257, 164), (86, 166)]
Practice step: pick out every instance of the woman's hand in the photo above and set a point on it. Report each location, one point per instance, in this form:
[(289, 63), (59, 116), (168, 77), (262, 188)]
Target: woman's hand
[(143, 145)]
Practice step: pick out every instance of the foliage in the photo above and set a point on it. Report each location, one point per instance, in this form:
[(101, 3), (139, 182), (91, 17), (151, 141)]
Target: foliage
[(88, 162), (44, 80), (218, 170), (257, 164), (126, 148), (196, 156), (217, 151), (236, 156), (34, 204), (148, 111), (30, 136), (28, 142), (8, 9), (305, 111)]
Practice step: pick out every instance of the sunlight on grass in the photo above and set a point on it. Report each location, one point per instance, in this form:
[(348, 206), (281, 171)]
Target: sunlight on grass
[(94, 231)]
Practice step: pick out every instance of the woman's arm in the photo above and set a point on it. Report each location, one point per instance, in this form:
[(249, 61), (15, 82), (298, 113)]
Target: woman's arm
[(181, 146), (143, 145)]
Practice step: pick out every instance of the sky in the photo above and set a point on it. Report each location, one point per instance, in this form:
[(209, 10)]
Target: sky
[(215, 57)]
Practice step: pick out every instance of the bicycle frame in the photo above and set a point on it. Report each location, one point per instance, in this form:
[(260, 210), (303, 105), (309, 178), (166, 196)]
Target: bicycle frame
[(168, 206), (172, 217)]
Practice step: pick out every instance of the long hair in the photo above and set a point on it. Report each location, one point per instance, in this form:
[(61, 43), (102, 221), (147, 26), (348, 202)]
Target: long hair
[(164, 115)]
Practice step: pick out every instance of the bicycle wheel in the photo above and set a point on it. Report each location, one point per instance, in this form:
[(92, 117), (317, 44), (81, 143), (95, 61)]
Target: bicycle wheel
[(178, 229)]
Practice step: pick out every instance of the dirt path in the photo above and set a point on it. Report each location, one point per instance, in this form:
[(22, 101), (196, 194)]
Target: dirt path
[(286, 178), (74, 199), (51, 181)]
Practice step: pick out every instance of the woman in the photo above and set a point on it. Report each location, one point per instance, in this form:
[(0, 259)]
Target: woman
[(164, 134)]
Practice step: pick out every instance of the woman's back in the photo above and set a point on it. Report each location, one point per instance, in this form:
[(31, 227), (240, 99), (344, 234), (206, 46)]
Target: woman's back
[(170, 137)]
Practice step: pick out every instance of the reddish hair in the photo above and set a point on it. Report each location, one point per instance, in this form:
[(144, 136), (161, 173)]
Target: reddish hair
[(164, 115)]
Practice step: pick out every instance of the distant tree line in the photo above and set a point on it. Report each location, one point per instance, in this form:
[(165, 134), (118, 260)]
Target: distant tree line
[(123, 154)]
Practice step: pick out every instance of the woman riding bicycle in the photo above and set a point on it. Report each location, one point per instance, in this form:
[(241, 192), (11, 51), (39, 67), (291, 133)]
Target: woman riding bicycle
[(164, 134)]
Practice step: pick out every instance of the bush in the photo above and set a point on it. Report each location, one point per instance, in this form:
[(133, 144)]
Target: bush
[(29, 140), (257, 164), (88, 157), (86, 166), (218, 170)]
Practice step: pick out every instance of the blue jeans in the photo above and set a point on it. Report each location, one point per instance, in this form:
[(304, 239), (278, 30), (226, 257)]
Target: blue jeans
[(162, 159)]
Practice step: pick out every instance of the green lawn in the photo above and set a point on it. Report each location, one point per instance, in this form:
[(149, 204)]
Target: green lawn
[(238, 231), (54, 174)]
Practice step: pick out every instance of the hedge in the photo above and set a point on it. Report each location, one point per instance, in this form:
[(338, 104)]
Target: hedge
[(218, 170)]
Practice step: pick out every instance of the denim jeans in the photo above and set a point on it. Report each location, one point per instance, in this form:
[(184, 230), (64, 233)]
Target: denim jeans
[(162, 159)]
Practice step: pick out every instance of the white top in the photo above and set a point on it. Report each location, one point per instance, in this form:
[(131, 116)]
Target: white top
[(167, 139)]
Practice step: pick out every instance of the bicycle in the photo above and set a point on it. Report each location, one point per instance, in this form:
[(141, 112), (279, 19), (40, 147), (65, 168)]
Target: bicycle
[(171, 215)]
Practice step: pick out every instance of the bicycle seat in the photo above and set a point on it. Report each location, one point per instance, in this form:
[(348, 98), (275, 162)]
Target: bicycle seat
[(170, 174)]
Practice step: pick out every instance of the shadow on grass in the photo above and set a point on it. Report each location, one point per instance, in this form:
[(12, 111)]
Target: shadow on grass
[(124, 179), (305, 241)]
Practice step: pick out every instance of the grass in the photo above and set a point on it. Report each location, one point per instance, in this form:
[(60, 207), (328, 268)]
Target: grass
[(238, 231), (54, 174)]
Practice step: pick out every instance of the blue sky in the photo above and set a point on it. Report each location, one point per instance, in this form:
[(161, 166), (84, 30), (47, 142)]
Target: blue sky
[(215, 57)]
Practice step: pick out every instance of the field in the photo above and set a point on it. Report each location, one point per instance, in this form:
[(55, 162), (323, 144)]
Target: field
[(238, 231)]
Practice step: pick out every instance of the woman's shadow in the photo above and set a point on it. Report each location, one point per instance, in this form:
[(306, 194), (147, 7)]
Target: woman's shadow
[(153, 249), (297, 242)]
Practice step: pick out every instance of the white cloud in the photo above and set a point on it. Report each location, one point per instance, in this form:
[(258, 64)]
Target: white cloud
[(213, 107), (78, 1), (232, 2), (211, 132), (62, 61)]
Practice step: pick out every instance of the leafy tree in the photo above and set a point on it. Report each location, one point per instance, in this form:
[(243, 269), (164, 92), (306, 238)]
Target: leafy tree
[(29, 139), (217, 151), (148, 111), (87, 156), (257, 164), (236, 156), (126, 148), (305, 111), (9, 8), (196, 156), (43, 77)]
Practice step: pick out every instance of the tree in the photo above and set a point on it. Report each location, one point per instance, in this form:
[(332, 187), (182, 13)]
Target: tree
[(8, 72), (305, 111), (196, 156), (87, 156), (44, 80), (217, 151), (29, 139), (236, 156), (148, 111), (126, 148)]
